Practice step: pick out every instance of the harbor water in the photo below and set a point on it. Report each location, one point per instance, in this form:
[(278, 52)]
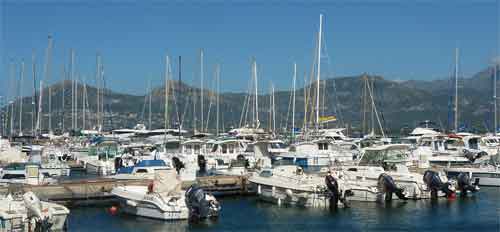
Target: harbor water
[(480, 212)]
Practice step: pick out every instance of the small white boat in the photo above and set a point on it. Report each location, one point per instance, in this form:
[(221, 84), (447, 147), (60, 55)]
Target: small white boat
[(30, 214), (165, 200), (289, 185)]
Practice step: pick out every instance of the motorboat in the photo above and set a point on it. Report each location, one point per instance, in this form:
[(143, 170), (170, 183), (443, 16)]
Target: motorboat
[(289, 185), (385, 168), (164, 199), (484, 175), (27, 213)]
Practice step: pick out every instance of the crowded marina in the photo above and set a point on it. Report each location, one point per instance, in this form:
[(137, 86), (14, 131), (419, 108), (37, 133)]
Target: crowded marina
[(183, 171)]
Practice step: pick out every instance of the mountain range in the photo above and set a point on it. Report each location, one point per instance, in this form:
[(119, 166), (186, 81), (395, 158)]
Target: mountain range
[(398, 104)]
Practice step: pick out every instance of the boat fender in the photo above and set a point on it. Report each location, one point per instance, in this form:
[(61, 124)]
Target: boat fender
[(289, 193), (113, 210)]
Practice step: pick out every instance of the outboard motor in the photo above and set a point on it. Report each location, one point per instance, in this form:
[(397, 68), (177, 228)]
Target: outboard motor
[(201, 205), (118, 163), (434, 183), (333, 187), (335, 192), (387, 185), (202, 164), (178, 164), (464, 184)]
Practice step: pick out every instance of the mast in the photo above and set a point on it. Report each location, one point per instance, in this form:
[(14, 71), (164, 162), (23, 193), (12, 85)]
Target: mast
[(318, 73), (256, 94), (150, 98), (273, 110), (201, 89), (47, 78), (495, 98), (217, 76), (39, 115), (21, 99), (72, 78), (63, 77), (167, 73), (33, 99), (179, 90), (97, 79), (293, 100), (456, 89), (84, 101), (13, 95)]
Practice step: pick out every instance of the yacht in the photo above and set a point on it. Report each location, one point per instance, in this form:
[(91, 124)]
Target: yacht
[(164, 199), (27, 213)]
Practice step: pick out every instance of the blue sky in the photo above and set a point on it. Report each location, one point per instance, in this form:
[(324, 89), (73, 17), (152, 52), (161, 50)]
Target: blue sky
[(396, 39)]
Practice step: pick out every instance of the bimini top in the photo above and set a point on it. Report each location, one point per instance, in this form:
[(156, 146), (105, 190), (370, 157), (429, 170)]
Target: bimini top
[(143, 164)]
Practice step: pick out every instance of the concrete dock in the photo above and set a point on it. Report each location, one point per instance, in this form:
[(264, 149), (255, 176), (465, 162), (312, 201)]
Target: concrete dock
[(97, 191)]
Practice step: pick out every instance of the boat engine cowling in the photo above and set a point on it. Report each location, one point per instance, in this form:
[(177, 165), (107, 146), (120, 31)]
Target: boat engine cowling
[(435, 184), (178, 164), (464, 184), (201, 204), (335, 192), (202, 164), (387, 185)]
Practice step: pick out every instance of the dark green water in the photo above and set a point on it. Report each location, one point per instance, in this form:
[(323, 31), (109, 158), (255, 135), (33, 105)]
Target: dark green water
[(479, 213)]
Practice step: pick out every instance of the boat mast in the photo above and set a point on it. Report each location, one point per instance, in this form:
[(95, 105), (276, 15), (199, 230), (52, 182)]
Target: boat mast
[(150, 98), (33, 99), (72, 78), (201, 89), (84, 102), (98, 94), (21, 99), (167, 73), (273, 109), (293, 100), (39, 115), (256, 95), (47, 78), (495, 97), (13, 95), (217, 76), (318, 72), (456, 89)]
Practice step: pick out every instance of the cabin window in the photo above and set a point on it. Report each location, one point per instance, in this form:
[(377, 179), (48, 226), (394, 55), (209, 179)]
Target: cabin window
[(224, 148), (250, 148), (231, 148), (436, 146), (172, 145), (426, 143), (323, 146), (215, 147), (266, 173), (142, 170)]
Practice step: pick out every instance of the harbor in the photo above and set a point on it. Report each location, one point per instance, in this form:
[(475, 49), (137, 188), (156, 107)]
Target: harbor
[(158, 116)]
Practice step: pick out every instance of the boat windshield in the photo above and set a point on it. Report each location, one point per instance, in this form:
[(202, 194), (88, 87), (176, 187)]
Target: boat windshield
[(278, 145), (379, 157)]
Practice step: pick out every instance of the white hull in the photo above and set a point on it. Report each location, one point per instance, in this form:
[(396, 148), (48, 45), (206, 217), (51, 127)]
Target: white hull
[(136, 201)]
